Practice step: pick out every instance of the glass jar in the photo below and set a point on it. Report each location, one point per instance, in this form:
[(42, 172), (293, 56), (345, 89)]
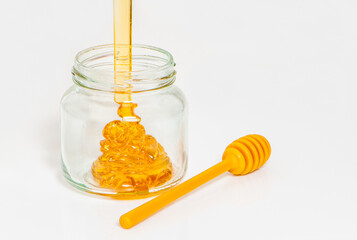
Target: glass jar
[(128, 168)]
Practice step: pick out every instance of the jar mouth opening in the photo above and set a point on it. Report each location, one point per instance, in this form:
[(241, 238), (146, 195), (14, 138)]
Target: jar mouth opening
[(150, 68)]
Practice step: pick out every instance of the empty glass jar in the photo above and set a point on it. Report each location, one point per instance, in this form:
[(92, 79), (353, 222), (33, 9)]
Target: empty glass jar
[(105, 154)]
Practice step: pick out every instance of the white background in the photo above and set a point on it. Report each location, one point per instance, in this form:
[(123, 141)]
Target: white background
[(283, 69)]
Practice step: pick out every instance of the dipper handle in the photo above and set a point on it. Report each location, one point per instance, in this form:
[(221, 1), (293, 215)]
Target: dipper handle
[(243, 156), (144, 211)]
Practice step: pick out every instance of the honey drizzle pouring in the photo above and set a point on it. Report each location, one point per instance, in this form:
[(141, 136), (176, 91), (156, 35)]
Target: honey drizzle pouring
[(132, 161), (122, 16)]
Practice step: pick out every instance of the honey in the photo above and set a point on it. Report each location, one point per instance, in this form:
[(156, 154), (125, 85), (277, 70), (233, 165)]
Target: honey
[(132, 161), (122, 47)]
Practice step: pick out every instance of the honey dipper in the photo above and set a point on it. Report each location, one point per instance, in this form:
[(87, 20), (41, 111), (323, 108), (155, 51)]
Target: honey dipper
[(241, 157)]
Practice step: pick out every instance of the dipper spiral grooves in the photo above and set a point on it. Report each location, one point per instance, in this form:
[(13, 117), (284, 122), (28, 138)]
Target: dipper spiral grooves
[(247, 154), (241, 157)]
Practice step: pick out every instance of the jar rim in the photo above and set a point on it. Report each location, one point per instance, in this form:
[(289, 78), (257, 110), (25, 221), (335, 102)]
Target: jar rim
[(151, 68)]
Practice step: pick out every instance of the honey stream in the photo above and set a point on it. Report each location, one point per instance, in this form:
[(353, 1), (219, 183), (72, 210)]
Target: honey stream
[(131, 161)]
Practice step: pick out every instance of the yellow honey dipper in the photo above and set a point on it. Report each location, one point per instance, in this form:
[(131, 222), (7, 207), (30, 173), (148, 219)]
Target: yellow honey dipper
[(241, 157)]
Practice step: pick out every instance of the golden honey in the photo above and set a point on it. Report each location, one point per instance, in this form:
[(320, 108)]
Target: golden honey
[(131, 160)]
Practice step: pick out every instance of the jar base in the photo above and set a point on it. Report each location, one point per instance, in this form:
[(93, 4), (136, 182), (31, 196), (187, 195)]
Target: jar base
[(88, 185)]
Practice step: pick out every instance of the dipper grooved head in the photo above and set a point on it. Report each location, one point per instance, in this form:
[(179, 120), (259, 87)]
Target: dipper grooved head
[(247, 154)]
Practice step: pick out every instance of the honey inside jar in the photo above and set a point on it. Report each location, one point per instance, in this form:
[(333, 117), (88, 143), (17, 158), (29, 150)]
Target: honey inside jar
[(132, 160)]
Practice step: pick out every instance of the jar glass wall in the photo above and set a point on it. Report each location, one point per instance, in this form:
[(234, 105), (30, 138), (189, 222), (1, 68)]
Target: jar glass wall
[(89, 106)]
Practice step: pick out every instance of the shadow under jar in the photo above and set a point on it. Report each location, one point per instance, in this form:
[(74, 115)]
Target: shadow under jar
[(133, 162)]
